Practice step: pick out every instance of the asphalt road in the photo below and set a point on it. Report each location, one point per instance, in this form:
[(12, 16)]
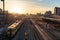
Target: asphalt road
[(32, 31), (50, 30), (27, 32)]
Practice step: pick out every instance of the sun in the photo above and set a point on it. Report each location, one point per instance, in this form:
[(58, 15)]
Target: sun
[(16, 10)]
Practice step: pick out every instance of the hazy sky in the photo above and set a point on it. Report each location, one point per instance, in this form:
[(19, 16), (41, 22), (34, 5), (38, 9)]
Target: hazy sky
[(32, 6)]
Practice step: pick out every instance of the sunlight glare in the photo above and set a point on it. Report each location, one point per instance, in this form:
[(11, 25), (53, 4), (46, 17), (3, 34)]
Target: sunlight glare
[(16, 10)]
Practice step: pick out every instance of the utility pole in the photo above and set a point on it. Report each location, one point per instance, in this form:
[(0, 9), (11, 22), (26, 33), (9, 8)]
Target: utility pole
[(3, 5), (4, 33), (3, 10)]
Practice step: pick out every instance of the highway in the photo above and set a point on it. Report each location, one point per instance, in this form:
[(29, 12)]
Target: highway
[(49, 29), (31, 30), (28, 32)]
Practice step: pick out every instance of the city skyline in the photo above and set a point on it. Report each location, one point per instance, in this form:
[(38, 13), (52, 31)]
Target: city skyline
[(31, 6)]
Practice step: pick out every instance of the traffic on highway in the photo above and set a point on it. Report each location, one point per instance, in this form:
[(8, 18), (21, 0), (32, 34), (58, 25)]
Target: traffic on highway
[(29, 19)]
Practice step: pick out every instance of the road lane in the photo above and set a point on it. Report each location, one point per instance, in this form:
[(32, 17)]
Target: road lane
[(49, 29), (21, 34), (28, 32), (42, 32)]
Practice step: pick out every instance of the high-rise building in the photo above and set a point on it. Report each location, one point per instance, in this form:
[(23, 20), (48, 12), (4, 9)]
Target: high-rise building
[(57, 10)]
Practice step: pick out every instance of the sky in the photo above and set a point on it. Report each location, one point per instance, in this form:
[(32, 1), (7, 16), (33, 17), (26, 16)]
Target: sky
[(32, 6)]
